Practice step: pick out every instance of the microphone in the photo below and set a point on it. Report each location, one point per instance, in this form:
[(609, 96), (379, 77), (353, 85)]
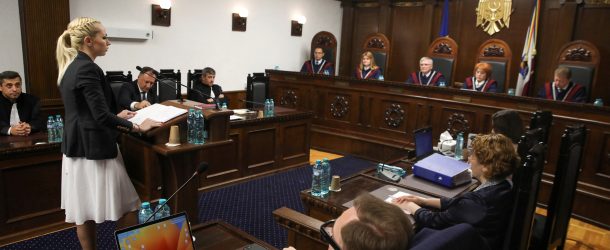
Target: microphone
[(203, 166), (257, 103)]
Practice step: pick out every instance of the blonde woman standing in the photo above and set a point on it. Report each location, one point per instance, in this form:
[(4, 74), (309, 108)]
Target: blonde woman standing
[(95, 186)]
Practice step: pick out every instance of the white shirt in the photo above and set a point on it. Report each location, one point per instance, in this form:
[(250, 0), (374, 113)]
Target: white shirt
[(133, 104), (14, 120)]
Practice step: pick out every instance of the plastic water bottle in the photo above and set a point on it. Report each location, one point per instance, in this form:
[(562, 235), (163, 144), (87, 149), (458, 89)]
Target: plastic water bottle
[(144, 212), (59, 132), (442, 84), (316, 179), (163, 209), (51, 129), (326, 72), (271, 107), (599, 102), (199, 127), (459, 144), (224, 105), (266, 109), (380, 78), (190, 134), (326, 175)]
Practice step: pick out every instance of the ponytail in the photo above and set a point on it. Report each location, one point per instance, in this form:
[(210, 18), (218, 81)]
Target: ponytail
[(71, 41)]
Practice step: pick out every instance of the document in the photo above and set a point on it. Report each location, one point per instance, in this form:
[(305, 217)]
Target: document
[(157, 112)]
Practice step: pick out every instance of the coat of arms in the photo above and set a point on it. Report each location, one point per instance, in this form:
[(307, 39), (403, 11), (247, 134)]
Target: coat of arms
[(493, 15)]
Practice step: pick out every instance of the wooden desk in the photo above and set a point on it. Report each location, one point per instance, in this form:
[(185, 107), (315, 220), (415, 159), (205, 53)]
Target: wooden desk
[(375, 119), (220, 235), (30, 185)]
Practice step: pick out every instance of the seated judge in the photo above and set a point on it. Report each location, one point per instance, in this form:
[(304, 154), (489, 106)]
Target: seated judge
[(367, 69), (488, 207), (318, 65), (139, 94), (481, 81), (562, 88), (210, 92), (19, 112), (426, 75)]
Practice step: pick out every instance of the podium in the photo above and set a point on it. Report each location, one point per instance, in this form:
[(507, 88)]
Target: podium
[(157, 170)]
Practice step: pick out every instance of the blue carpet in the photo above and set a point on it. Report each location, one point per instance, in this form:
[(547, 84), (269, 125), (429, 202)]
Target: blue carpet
[(247, 205)]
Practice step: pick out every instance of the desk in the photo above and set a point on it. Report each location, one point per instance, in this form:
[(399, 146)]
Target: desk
[(30, 185), (375, 119), (220, 235)]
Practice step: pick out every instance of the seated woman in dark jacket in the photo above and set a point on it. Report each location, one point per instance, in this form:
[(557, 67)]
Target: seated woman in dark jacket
[(488, 207)]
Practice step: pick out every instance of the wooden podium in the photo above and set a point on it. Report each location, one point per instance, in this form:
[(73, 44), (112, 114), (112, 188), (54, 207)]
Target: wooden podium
[(158, 170)]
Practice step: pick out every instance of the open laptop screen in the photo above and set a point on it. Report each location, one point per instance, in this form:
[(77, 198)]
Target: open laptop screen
[(423, 142), (172, 232)]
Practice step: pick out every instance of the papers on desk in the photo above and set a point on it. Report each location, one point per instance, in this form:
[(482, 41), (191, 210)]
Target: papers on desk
[(396, 195), (235, 118), (157, 112)]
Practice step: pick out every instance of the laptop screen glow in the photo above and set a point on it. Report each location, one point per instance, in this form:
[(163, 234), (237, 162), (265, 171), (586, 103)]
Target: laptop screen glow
[(423, 142), (168, 233)]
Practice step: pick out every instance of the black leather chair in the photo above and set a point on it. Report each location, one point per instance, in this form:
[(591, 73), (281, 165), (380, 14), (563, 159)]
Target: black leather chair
[(116, 79), (257, 90), (328, 43), (169, 87), (550, 232), (443, 51), (497, 53), (543, 120), (192, 78), (582, 58)]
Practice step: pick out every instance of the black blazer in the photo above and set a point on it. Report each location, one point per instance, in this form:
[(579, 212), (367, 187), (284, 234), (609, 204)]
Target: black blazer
[(130, 92), (205, 89), (487, 210), (91, 126), (28, 108)]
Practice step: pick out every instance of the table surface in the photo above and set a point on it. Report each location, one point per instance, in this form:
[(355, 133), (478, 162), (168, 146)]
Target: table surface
[(220, 235)]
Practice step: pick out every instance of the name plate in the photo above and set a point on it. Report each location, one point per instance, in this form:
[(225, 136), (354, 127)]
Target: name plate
[(460, 98), (291, 78), (397, 90), (341, 83)]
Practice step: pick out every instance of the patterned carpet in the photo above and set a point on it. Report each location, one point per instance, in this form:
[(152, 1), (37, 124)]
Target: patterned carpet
[(247, 205)]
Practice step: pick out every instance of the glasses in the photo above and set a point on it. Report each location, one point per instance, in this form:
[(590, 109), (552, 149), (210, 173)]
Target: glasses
[(326, 231)]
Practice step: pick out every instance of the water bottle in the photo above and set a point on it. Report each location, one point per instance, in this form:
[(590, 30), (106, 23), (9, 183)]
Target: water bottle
[(276, 67), (199, 127), (459, 144), (326, 176), (442, 84), (51, 129), (326, 72), (598, 102), (59, 132), (190, 134), (266, 109), (224, 105), (380, 78), (316, 179), (163, 209), (144, 212), (271, 107)]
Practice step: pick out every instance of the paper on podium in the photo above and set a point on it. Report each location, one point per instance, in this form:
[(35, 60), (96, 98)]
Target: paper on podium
[(157, 112)]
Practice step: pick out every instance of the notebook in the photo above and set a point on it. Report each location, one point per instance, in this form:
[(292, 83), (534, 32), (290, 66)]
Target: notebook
[(173, 232)]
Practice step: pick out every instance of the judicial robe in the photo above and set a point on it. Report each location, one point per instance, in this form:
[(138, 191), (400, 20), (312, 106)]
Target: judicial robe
[(433, 80), (573, 93), (368, 74), (310, 67), (490, 85)]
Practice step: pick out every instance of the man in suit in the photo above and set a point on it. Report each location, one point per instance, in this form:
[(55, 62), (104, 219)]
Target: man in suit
[(318, 65), (562, 88), (139, 94), (19, 112), (426, 75), (206, 90)]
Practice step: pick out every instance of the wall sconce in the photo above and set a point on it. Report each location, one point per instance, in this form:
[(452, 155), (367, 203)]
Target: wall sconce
[(162, 13), (297, 26), (240, 20)]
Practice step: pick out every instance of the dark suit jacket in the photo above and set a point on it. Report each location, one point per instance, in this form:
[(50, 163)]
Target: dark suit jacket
[(28, 108), (206, 90), (460, 236), (486, 209), (91, 126), (130, 92)]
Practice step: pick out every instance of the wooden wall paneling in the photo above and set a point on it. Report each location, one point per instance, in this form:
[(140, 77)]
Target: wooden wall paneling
[(347, 31), (39, 32), (385, 18), (591, 20), (235, 97), (260, 142), (366, 22), (407, 48)]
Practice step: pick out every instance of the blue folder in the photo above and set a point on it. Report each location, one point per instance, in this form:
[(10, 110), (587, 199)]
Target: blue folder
[(442, 170)]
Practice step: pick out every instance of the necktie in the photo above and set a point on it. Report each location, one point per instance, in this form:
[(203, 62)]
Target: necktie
[(143, 95), (14, 120)]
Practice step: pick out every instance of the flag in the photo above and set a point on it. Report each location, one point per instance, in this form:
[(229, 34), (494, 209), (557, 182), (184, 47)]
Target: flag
[(445, 20), (529, 52)]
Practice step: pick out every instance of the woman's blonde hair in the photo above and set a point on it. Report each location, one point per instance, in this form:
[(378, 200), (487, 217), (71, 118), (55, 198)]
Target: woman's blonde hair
[(71, 41), (369, 55), (495, 151)]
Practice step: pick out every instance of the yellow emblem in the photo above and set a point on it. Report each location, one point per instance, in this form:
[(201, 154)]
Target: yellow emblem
[(493, 15)]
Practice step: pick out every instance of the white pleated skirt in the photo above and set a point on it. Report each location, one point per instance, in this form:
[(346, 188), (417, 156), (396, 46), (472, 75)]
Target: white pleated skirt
[(97, 190)]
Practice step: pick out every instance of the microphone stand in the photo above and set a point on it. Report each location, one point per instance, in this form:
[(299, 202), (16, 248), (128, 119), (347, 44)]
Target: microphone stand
[(172, 196)]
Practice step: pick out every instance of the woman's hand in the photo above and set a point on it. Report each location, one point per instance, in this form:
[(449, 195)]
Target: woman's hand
[(408, 207), (410, 198), (126, 114), (148, 124)]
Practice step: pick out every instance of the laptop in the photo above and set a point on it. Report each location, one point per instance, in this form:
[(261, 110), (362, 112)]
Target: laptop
[(423, 143), (173, 232)]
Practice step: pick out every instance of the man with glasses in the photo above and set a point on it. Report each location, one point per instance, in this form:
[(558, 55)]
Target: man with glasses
[(385, 225), (318, 65), (426, 75)]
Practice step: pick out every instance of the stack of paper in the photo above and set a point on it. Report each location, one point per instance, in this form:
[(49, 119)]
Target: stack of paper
[(157, 112)]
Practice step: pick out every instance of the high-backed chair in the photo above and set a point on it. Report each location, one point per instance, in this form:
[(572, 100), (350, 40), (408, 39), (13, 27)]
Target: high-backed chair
[(169, 87), (582, 58), (544, 120), (550, 231), (116, 79), (379, 45), (192, 78), (303, 231), (443, 51), (497, 53), (257, 90), (526, 183), (328, 43)]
